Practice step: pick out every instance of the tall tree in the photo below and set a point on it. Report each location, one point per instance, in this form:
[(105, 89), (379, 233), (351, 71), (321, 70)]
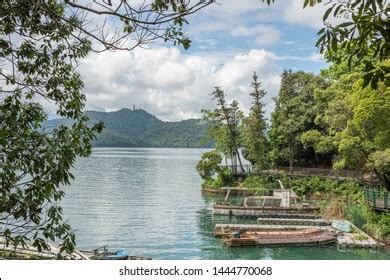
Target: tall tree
[(230, 115), (41, 44), (254, 129), (365, 141), (218, 133), (333, 110), (294, 114)]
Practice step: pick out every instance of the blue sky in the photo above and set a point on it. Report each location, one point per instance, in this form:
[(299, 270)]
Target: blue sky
[(230, 40), (285, 29)]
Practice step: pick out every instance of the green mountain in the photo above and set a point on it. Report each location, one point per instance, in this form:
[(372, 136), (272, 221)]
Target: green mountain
[(138, 128)]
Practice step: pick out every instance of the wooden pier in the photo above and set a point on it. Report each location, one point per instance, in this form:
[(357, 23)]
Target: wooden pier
[(279, 216), (220, 209), (294, 222)]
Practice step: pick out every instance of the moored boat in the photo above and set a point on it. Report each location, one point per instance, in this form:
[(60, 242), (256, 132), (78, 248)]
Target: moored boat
[(226, 230), (274, 236), (283, 238), (118, 255), (102, 253)]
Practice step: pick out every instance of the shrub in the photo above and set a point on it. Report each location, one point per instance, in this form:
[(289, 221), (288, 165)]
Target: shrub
[(314, 185), (377, 222), (209, 165)]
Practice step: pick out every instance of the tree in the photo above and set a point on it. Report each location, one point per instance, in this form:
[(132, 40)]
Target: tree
[(230, 115), (333, 110), (254, 128), (41, 44), (322, 144), (209, 165), (218, 133), (364, 142), (380, 162), (363, 33), (294, 114)]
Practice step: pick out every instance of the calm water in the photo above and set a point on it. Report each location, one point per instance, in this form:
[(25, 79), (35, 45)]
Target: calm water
[(148, 202)]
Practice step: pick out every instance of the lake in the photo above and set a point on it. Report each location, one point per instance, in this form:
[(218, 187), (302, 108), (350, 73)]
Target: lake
[(148, 201)]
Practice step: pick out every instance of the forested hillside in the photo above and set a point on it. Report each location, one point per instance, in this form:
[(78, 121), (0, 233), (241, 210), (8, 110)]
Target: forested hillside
[(138, 128)]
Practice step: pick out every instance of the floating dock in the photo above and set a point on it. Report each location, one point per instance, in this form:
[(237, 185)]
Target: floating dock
[(294, 222), (220, 209), (278, 216), (292, 234), (357, 239), (277, 201)]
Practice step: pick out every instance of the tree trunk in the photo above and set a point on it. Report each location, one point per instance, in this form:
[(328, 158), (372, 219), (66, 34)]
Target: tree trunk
[(383, 178), (231, 134), (239, 160), (386, 182)]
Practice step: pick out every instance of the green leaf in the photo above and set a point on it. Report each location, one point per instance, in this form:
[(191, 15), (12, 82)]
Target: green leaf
[(327, 13), (345, 24), (336, 11), (368, 3), (322, 30)]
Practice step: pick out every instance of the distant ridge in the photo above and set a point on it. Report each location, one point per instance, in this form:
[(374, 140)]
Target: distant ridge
[(138, 128)]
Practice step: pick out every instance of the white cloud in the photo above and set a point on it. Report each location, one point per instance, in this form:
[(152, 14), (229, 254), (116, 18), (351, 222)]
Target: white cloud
[(264, 35), (224, 16), (294, 13), (289, 42), (173, 85), (313, 57)]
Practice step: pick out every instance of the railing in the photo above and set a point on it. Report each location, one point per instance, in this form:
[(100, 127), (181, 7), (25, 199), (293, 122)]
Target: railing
[(318, 171), (326, 173), (377, 199)]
